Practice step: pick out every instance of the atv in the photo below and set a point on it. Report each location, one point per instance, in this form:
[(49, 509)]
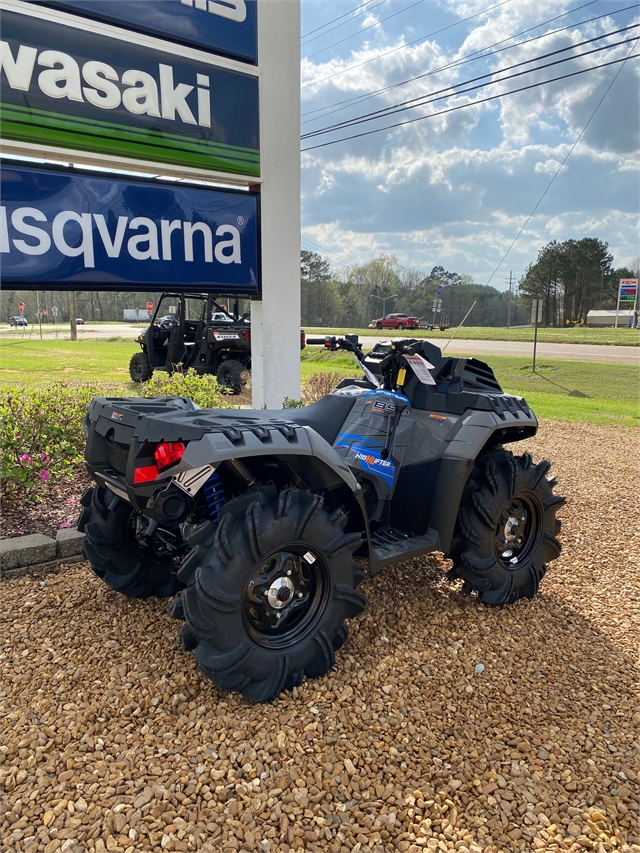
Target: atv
[(261, 523), (193, 331)]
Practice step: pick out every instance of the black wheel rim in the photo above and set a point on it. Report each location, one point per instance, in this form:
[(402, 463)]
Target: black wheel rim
[(285, 596), (518, 531)]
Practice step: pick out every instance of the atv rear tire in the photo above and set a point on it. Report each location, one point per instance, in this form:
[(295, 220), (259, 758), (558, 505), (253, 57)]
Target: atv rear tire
[(115, 555), (273, 586), (140, 369), (230, 376), (506, 528)]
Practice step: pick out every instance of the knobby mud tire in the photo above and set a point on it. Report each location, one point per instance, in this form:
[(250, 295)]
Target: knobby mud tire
[(113, 557), (497, 481), (140, 369), (230, 376), (254, 529)]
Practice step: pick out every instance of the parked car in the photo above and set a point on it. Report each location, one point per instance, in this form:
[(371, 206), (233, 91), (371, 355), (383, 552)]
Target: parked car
[(17, 321), (79, 321), (396, 321)]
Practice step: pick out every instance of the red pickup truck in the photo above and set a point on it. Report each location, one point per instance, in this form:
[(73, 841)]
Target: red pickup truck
[(396, 321)]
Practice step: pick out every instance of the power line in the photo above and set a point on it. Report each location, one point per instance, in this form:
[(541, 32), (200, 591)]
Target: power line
[(370, 27), (423, 38), (368, 3), (338, 260), (423, 100), (472, 103), (630, 55), (474, 56)]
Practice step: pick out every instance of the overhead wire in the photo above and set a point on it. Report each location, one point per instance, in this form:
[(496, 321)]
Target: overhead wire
[(474, 56), (362, 5), (473, 103), (455, 89), (370, 27), (402, 47), (624, 61)]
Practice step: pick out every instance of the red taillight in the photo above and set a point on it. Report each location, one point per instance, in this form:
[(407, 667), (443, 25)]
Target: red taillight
[(146, 474), (246, 336), (168, 452)]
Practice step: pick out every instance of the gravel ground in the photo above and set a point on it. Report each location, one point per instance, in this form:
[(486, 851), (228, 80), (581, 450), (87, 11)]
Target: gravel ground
[(112, 741)]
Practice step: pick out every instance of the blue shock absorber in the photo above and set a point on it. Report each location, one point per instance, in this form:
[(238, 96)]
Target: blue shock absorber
[(214, 495)]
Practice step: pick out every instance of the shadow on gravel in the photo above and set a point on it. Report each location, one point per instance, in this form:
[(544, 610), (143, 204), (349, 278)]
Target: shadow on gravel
[(536, 747)]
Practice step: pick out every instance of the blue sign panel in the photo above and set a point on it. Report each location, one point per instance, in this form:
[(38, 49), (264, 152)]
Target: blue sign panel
[(227, 27), (92, 92), (63, 230)]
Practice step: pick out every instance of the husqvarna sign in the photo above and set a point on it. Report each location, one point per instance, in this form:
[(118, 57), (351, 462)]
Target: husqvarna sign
[(77, 89), (62, 228)]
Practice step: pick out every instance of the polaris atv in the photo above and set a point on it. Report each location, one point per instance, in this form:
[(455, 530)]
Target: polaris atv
[(194, 331), (255, 517)]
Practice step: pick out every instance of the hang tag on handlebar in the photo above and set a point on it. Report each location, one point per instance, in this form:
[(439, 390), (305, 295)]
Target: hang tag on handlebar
[(421, 367)]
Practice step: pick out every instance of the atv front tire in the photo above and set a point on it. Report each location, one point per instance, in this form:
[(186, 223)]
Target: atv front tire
[(230, 376), (140, 369), (115, 551), (506, 528), (273, 586)]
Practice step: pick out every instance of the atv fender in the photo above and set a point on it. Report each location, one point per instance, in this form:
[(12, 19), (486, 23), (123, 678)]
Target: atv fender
[(294, 442), (478, 431)]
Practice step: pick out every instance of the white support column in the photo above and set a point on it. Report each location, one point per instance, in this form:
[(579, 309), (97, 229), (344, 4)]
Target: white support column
[(275, 322)]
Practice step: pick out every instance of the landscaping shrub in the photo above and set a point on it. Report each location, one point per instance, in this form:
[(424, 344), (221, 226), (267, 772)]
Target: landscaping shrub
[(203, 390), (319, 385), (41, 436)]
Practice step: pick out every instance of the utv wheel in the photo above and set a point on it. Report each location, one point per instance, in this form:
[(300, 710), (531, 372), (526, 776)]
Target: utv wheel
[(400, 327), (140, 369), (378, 325), (273, 586), (507, 527), (230, 376), (117, 552)]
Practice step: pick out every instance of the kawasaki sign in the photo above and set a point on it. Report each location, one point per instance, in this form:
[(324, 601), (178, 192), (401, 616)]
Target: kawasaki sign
[(74, 88), (62, 229)]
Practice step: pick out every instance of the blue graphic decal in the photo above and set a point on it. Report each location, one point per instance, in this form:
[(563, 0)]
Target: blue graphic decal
[(367, 455)]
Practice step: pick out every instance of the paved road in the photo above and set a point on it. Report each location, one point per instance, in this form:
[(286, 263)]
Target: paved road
[(521, 349), (571, 352)]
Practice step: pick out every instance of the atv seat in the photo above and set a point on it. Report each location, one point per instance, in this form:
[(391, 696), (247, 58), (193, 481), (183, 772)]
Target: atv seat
[(326, 416)]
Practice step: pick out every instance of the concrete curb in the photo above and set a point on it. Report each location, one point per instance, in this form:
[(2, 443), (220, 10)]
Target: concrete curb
[(26, 552)]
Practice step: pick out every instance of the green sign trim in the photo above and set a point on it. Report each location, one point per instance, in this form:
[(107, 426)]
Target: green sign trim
[(42, 126)]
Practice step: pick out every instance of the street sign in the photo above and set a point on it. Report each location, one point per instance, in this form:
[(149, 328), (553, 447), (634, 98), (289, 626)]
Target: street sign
[(536, 310), (54, 310), (45, 312), (149, 306), (101, 233), (21, 307), (112, 96)]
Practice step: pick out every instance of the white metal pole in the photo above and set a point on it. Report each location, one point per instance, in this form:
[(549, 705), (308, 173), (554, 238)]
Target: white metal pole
[(275, 321), (618, 304)]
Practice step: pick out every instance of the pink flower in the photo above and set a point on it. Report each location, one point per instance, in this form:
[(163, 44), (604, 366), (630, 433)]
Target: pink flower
[(66, 524), (25, 458), (70, 501), (45, 457), (18, 435), (44, 476)]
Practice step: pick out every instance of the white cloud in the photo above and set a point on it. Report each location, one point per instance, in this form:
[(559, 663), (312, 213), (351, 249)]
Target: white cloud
[(455, 189)]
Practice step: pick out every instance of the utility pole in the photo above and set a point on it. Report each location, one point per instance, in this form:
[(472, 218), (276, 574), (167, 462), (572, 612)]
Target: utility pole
[(73, 312), (509, 301)]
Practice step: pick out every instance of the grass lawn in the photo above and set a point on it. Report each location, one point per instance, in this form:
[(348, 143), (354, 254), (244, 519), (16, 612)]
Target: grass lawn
[(559, 390), (579, 335)]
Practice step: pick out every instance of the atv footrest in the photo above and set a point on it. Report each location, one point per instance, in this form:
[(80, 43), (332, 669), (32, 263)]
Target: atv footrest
[(390, 545)]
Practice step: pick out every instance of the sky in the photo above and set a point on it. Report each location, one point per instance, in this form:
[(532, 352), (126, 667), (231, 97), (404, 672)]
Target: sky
[(456, 189)]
